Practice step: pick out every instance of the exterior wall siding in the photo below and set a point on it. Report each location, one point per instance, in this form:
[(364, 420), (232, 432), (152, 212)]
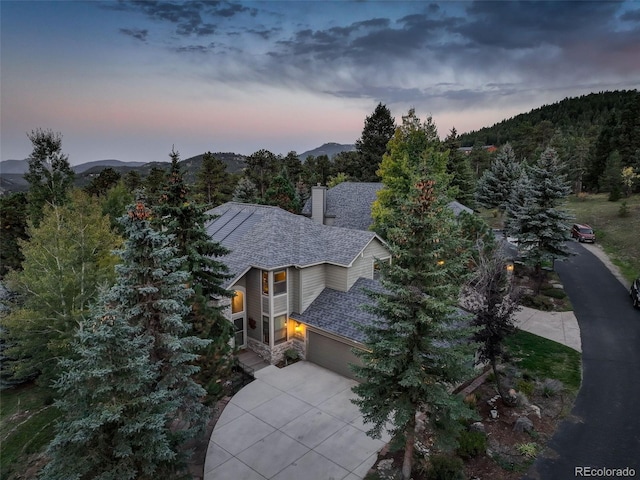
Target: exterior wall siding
[(252, 280), (312, 284), (362, 267), (280, 304), (336, 277), (293, 288)]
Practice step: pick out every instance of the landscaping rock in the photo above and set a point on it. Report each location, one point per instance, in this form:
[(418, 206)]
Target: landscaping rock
[(478, 427), (523, 424), (535, 410)]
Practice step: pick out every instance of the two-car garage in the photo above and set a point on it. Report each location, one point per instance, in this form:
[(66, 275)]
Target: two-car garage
[(331, 352)]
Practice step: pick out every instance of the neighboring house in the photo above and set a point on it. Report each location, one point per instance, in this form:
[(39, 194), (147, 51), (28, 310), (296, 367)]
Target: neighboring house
[(298, 284), (488, 148), (348, 205)]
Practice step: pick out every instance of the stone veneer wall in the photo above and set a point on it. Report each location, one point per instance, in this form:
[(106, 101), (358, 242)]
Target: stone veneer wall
[(276, 354)]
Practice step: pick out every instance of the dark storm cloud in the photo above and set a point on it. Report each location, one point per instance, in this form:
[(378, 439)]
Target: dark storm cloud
[(631, 16), (188, 17), (534, 46), (136, 33), (514, 25)]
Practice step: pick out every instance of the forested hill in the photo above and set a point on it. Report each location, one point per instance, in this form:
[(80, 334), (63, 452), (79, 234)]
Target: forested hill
[(577, 116)]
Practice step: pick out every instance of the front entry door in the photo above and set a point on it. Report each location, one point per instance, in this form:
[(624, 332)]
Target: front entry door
[(239, 325)]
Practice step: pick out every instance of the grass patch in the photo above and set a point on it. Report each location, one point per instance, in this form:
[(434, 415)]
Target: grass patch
[(541, 358), (617, 235), (27, 422)]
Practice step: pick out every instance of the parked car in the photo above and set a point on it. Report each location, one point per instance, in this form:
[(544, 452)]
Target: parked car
[(634, 293), (583, 233)]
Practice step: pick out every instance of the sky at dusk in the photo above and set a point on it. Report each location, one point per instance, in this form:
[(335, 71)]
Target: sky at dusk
[(128, 80)]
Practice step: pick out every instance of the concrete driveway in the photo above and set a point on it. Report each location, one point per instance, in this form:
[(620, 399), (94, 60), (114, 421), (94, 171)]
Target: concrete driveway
[(292, 423)]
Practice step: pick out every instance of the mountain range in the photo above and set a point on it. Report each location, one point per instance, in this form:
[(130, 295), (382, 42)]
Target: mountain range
[(12, 171)]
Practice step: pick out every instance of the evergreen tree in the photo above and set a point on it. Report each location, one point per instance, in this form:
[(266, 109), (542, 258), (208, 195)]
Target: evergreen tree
[(493, 300), (115, 202), (105, 180), (13, 229), (420, 347), (407, 154), (479, 158), (293, 167), (316, 170), (213, 181), (348, 163), (520, 195), (65, 261), (611, 180), (458, 166), (495, 185), (129, 393), (132, 180), (50, 176), (541, 224), (378, 129), (245, 192), (153, 184), (184, 221), (261, 168), (281, 193)]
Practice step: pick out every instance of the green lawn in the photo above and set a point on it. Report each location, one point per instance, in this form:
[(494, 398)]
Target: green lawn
[(617, 235), (27, 422), (541, 359)]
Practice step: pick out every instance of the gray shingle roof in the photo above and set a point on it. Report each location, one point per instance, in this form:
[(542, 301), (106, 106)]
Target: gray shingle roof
[(350, 204), (339, 312), (268, 237)]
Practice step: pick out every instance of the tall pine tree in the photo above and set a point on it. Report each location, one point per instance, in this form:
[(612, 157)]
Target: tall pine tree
[(378, 129), (495, 185), (213, 182), (420, 347), (541, 225), (129, 400), (179, 216)]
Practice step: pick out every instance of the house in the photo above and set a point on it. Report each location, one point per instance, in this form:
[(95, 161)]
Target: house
[(488, 148), (297, 283), (348, 205)]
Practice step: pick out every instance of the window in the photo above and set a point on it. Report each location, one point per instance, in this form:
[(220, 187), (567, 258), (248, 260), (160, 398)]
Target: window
[(237, 302), (265, 283), (280, 329), (265, 329), (280, 282)]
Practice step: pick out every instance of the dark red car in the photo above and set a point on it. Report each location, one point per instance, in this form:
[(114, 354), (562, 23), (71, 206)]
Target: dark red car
[(583, 233)]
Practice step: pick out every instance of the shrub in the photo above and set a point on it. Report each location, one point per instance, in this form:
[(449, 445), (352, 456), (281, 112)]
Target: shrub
[(551, 387), (539, 302), (471, 444), (528, 450), (291, 355), (554, 293), (446, 467), (623, 211), (525, 387)]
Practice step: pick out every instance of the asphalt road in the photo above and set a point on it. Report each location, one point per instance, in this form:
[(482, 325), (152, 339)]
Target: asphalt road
[(603, 430)]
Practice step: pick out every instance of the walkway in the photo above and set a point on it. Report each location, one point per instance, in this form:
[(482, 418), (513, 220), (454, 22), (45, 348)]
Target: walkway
[(561, 327), (292, 423)]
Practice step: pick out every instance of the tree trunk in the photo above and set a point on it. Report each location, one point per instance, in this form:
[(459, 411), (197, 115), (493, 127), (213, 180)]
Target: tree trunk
[(409, 445), (503, 396)]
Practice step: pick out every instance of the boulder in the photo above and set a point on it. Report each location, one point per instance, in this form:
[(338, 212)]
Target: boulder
[(523, 424), (478, 427), (535, 410)]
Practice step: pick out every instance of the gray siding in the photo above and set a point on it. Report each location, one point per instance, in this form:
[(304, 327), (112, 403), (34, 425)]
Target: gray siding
[(252, 284), (336, 277), (362, 267), (376, 249), (312, 282), (293, 288), (280, 304)]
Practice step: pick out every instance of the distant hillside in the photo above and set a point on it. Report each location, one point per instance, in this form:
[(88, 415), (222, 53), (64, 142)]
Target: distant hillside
[(581, 116), (12, 171), (328, 149)]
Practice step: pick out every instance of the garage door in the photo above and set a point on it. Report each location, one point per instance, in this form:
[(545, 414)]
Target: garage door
[(331, 354)]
